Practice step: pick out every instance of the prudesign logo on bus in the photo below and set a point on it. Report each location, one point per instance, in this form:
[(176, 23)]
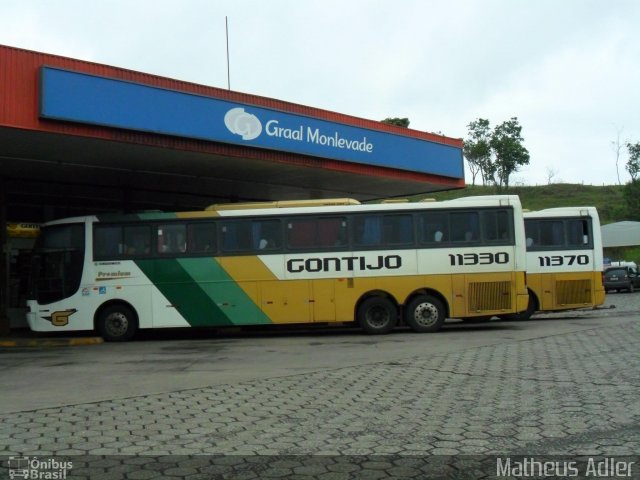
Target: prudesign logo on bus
[(60, 318)]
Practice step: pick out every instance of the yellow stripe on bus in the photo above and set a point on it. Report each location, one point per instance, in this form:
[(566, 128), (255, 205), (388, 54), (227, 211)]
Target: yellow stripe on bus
[(209, 214), (246, 271)]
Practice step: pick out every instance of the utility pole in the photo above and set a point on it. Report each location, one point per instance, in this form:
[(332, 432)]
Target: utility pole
[(226, 25)]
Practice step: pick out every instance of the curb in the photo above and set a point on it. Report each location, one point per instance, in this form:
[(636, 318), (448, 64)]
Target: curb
[(50, 342)]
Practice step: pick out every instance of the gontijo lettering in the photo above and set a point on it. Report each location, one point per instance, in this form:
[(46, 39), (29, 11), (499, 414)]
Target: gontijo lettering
[(339, 264)]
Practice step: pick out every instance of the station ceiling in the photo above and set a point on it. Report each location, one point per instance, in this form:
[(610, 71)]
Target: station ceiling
[(74, 175)]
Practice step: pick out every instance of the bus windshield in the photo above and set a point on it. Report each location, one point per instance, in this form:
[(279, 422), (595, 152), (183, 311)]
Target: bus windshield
[(58, 262)]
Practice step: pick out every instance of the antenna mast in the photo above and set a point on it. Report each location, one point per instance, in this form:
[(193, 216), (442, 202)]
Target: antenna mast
[(226, 25)]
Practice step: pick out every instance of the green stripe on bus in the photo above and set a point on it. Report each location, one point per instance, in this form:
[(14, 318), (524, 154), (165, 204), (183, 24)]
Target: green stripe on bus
[(156, 216), (225, 291), (203, 293), (134, 217)]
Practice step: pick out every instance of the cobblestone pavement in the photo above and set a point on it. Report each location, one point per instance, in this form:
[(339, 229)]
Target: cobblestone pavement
[(574, 394)]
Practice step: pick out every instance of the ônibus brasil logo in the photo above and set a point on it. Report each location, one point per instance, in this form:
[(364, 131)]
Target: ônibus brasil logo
[(242, 123)]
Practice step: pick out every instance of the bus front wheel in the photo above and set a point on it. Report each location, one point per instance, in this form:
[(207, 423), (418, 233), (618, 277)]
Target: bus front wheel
[(377, 315), (425, 314), (117, 323)]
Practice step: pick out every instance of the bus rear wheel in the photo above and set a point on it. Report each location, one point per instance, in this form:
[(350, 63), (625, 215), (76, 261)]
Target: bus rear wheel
[(424, 314), (117, 323), (377, 315)]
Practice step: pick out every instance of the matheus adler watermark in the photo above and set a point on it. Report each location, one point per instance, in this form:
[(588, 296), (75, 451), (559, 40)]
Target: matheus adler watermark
[(599, 467), (38, 468)]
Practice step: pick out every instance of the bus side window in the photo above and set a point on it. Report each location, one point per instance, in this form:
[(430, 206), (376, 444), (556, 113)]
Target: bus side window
[(578, 232), (107, 241), (495, 226), (432, 227), (301, 233), (551, 233), (464, 226), (322, 232), (172, 238), (201, 237), (531, 232), (398, 229), (332, 232), (266, 234), (236, 236), (368, 230), (137, 240)]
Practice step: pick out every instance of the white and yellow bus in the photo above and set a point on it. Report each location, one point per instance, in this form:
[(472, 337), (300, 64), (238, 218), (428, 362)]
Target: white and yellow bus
[(564, 260), (379, 265)]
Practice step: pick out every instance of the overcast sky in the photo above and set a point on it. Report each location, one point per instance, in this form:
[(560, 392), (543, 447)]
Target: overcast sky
[(568, 69)]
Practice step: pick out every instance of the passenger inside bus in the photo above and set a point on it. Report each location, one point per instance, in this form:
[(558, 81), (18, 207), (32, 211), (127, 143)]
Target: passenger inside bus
[(137, 241)]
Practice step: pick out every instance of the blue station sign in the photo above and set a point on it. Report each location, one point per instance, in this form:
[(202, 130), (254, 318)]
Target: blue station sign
[(84, 98)]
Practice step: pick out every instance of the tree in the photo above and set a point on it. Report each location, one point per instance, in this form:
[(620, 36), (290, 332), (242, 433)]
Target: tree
[(477, 150), (551, 173), (631, 194), (631, 190), (616, 146), (400, 122), (633, 164), (510, 154)]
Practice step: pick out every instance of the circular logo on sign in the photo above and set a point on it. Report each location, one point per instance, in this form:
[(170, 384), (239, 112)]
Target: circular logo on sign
[(242, 123)]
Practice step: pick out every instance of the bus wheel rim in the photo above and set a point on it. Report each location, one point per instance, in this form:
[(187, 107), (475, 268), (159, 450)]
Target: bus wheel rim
[(377, 316), (117, 324), (426, 314)]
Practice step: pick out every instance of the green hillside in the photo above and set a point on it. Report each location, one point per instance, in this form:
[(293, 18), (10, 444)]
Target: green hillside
[(607, 199)]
